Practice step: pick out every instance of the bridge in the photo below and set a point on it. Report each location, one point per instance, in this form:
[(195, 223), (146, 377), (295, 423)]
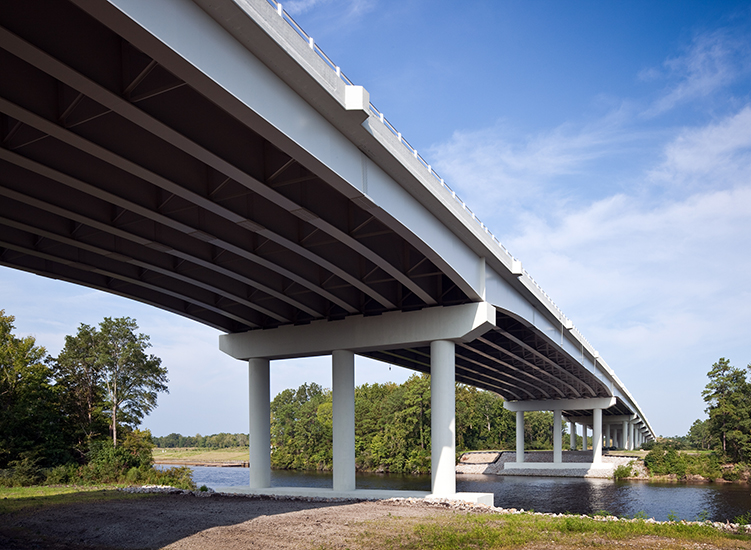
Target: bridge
[(206, 157)]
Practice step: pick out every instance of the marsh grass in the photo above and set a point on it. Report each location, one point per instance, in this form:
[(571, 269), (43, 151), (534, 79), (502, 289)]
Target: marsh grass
[(201, 454), (449, 532)]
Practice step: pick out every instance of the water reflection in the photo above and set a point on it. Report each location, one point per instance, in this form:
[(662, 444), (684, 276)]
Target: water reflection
[(543, 494), (627, 498)]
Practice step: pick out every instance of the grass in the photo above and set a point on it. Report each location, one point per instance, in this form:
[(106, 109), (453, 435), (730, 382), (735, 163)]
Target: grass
[(455, 531), (32, 499), (200, 454), (635, 453)]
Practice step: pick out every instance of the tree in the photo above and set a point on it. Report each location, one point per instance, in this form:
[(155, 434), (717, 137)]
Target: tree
[(728, 398), (78, 371), (698, 435), (31, 426), (131, 379)]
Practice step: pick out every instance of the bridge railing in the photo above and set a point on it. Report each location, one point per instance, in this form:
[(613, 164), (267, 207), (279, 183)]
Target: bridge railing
[(412, 150)]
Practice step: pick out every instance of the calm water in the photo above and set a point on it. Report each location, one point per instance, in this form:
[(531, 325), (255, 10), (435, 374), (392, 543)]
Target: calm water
[(542, 494)]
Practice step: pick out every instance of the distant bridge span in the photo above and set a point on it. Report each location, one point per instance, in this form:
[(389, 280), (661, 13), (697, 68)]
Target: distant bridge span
[(207, 158)]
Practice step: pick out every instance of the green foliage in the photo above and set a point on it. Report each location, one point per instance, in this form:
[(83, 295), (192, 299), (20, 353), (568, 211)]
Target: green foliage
[(702, 516), (744, 519), (299, 438), (78, 375), (481, 421), (538, 430), (109, 464), (392, 426), (215, 441), (699, 436), (728, 398), (31, 426), (665, 460), (623, 471), (130, 378)]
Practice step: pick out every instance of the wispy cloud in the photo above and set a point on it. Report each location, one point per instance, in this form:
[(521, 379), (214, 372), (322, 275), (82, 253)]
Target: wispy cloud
[(504, 176), (717, 155), (712, 61)]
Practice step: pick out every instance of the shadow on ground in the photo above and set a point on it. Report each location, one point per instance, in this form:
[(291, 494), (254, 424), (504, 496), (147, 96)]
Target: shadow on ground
[(154, 521)]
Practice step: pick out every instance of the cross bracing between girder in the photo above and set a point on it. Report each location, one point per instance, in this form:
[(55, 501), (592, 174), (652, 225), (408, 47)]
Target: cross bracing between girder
[(178, 183), (128, 110)]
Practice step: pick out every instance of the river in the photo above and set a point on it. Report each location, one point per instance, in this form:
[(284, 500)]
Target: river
[(718, 502)]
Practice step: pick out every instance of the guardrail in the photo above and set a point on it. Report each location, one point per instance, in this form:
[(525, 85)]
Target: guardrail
[(379, 115)]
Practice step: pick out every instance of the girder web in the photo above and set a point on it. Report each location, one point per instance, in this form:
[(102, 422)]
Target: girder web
[(117, 174)]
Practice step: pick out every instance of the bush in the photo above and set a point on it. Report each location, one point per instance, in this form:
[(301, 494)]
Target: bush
[(60, 475), (731, 474), (663, 462), (133, 475), (180, 477), (26, 472), (623, 471)]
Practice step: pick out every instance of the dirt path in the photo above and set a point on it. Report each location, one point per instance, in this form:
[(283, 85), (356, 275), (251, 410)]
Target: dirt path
[(186, 522)]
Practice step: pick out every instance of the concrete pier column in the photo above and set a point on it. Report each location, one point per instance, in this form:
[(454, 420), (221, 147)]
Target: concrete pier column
[(443, 417), (572, 436), (607, 436), (630, 436), (343, 409), (624, 437), (520, 436), (597, 436), (260, 423), (557, 437)]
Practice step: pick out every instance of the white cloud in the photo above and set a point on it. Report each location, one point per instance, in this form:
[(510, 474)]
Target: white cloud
[(712, 61), (718, 154), (499, 173)]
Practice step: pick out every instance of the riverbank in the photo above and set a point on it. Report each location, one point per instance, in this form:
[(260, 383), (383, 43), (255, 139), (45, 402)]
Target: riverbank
[(494, 463), (117, 520)]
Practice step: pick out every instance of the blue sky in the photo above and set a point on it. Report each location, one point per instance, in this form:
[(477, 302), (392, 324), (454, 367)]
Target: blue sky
[(606, 144)]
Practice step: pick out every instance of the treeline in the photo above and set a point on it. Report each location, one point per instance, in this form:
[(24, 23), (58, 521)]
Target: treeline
[(392, 426), (74, 418), (216, 441)]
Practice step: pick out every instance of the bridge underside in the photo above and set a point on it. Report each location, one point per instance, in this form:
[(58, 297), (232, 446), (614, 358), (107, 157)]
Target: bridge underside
[(117, 174), (515, 361), (125, 168)]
